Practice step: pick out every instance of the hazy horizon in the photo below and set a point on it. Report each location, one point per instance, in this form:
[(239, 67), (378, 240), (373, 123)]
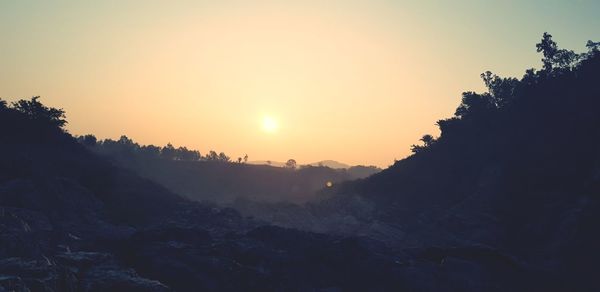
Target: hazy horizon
[(350, 145), (273, 79)]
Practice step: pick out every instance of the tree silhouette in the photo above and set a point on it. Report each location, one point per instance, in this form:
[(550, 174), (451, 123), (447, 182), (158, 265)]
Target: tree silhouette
[(223, 158), (553, 56), (474, 104), (168, 152), (291, 163), (480, 111), (36, 111), (124, 140), (182, 153), (212, 156), (150, 151), (427, 140), (548, 48), (127, 147), (593, 47), (88, 140), (501, 90)]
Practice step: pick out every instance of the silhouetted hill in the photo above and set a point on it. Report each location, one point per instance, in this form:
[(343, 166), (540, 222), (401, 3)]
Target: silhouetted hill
[(517, 169), (267, 162), (224, 181), (72, 221), (37, 154), (506, 199), (331, 164), (324, 163)]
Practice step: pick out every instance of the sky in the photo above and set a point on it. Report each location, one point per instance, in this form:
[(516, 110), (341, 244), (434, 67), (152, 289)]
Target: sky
[(352, 81)]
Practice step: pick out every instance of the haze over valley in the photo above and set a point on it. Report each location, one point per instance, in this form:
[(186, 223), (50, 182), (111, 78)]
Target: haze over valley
[(299, 146)]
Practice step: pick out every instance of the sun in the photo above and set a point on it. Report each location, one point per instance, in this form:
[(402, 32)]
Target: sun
[(269, 125)]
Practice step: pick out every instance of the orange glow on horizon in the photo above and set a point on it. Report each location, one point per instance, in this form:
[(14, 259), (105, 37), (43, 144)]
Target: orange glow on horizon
[(352, 81)]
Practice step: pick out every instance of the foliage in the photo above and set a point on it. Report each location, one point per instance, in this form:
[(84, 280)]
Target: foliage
[(553, 56), (36, 111), (291, 163), (477, 110), (516, 168), (88, 140), (30, 120), (126, 148), (427, 140)]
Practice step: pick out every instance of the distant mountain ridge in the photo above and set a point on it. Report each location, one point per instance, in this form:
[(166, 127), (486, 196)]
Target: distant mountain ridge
[(506, 199), (267, 162), (223, 181), (73, 220), (326, 163), (331, 164)]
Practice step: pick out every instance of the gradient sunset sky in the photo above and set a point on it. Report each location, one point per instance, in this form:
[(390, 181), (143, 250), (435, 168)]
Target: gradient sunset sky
[(353, 81)]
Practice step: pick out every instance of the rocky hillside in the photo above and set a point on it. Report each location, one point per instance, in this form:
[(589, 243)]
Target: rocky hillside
[(517, 170), (506, 199), (72, 221)]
